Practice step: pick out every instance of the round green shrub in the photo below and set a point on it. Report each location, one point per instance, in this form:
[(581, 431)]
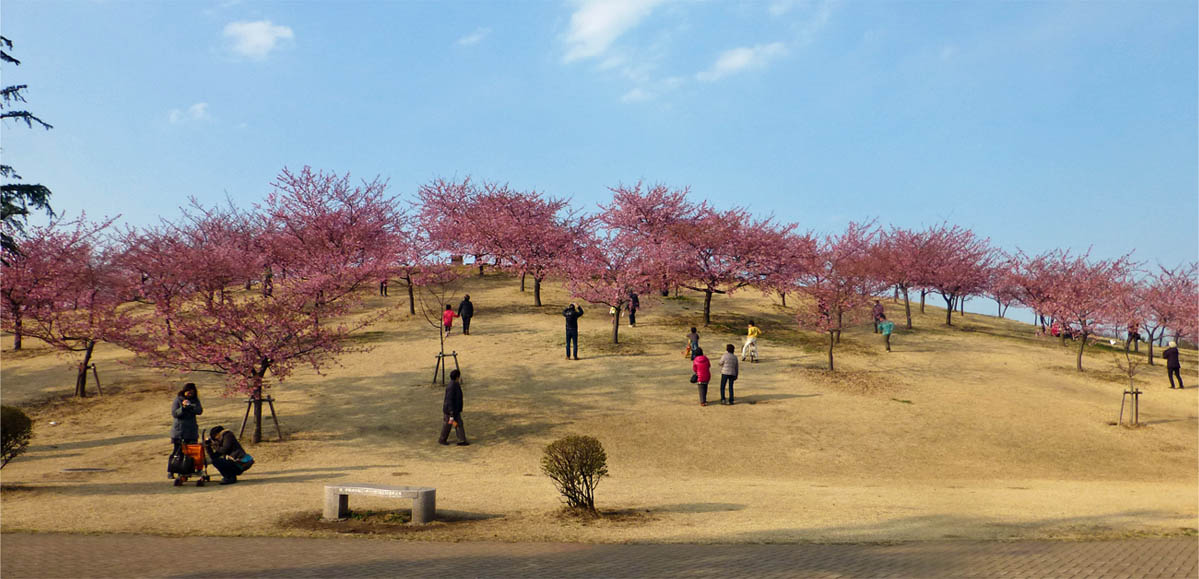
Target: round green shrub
[(15, 430), (576, 464)]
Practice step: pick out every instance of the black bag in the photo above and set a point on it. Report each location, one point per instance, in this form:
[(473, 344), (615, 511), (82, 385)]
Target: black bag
[(181, 464), (694, 378)]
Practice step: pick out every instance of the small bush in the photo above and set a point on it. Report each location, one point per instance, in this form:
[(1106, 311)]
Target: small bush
[(576, 464), (15, 430)]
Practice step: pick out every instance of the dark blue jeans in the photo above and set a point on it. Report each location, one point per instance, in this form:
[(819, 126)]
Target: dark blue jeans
[(572, 337), (726, 379)]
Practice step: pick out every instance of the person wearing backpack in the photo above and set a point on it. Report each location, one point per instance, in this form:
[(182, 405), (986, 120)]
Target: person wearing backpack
[(227, 455)]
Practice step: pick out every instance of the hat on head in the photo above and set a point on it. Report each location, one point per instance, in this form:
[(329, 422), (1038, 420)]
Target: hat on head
[(1173, 344)]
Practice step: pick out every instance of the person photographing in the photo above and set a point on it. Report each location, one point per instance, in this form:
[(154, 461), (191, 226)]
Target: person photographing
[(227, 455)]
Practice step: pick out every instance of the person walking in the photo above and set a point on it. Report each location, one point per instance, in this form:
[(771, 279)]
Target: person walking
[(184, 410), (750, 348), (692, 342), (447, 319), (878, 314), (1173, 368), (572, 313), (451, 408), (886, 327), (703, 374), (728, 373), (466, 310), (634, 305)]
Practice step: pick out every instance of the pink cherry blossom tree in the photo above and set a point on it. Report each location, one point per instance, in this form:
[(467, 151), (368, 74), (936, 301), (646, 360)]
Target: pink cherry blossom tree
[(1169, 300), (1087, 294), (329, 240), (960, 263), (901, 259), (783, 259), (839, 283), (607, 269), (1002, 285), (652, 215), (69, 288)]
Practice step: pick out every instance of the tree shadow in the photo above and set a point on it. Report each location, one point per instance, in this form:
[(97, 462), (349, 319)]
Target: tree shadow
[(696, 508), (82, 444), (759, 398)]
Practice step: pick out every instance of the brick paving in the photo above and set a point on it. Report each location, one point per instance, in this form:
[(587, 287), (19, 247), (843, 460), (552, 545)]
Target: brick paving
[(58, 555)]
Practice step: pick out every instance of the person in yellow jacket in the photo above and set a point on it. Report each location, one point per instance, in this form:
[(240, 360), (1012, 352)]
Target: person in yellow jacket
[(750, 349)]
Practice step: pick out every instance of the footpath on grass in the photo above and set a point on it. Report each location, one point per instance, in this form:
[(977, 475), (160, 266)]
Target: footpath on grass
[(60, 555)]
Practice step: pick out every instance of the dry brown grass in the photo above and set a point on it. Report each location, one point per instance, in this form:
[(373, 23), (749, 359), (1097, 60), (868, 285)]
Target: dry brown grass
[(977, 431)]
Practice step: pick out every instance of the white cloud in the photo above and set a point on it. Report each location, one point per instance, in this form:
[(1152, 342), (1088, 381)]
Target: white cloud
[(196, 112), (635, 96), (256, 39), (741, 58), (475, 37), (596, 24)]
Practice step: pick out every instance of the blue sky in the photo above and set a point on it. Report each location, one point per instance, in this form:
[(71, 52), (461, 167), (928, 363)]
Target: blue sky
[(1038, 124)]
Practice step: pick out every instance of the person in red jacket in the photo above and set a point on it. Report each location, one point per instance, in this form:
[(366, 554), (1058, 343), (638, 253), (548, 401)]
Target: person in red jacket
[(703, 373), (447, 318)]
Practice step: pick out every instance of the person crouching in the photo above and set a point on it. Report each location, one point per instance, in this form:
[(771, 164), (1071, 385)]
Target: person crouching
[(227, 455)]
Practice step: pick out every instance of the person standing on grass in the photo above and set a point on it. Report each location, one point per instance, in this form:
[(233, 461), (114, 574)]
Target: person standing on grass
[(184, 410), (728, 373), (383, 287), (572, 313), (466, 310), (750, 348), (634, 305), (693, 342), (451, 408), (703, 373), (879, 315), (886, 327), (1173, 368), (447, 319)]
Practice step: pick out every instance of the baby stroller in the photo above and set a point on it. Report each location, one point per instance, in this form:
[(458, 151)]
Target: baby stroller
[(190, 462)]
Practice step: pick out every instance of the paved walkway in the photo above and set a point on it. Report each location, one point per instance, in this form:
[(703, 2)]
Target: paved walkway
[(53, 555)]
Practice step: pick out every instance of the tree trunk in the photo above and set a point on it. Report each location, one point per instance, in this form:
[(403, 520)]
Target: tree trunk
[(830, 350), (840, 324), (999, 307), (1150, 342), (948, 309), (907, 307), (522, 282), (922, 294), (16, 323), (1080, 348), (962, 305), (411, 296), (257, 415), (479, 260), (707, 306), (537, 291), (784, 296), (81, 378), (895, 298), (616, 326)]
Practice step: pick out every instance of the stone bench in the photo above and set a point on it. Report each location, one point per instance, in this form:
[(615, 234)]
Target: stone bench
[(337, 499)]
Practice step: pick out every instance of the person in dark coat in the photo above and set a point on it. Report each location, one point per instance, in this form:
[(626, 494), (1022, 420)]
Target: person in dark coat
[(451, 408), (227, 455), (1173, 368), (466, 310), (572, 313), (184, 410), (634, 305)]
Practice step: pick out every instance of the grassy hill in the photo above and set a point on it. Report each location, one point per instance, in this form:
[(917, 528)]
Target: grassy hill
[(981, 430)]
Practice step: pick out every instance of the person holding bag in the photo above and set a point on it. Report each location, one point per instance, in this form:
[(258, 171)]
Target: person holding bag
[(184, 429), (703, 374)]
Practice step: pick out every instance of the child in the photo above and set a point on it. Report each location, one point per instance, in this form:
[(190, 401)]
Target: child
[(750, 348), (447, 318)]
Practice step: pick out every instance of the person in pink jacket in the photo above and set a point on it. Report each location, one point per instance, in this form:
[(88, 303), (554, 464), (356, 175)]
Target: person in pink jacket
[(703, 373), (447, 318)]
